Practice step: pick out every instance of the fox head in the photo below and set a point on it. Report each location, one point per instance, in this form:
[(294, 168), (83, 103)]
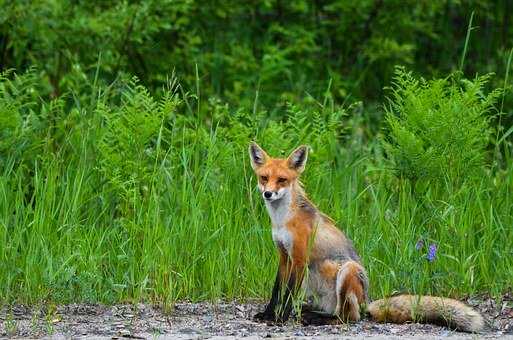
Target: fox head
[(277, 177)]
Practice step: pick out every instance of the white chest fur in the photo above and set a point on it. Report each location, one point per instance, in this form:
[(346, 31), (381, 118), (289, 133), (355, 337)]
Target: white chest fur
[(283, 239), (279, 211)]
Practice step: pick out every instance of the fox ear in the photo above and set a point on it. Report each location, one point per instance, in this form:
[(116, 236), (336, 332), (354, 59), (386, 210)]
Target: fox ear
[(297, 159), (257, 155)]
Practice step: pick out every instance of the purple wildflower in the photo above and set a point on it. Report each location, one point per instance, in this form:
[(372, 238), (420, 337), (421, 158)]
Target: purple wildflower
[(431, 252), (420, 244)]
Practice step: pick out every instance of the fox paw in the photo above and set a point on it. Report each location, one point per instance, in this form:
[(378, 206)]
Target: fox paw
[(264, 317), (315, 319), (270, 319)]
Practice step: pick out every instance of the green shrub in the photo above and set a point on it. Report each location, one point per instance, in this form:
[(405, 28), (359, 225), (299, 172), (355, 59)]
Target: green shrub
[(134, 144), (439, 130), (281, 48)]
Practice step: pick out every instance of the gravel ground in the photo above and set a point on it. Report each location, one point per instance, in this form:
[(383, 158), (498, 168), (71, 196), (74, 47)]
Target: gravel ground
[(219, 320)]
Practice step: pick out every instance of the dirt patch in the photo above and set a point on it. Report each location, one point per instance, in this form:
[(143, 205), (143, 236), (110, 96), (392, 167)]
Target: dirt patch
[(204, 320)]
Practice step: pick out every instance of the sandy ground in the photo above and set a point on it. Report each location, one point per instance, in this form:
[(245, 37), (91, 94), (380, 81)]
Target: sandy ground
[(219, 320)]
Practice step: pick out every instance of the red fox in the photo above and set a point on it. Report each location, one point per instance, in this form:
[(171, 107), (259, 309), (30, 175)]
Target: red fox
[(336, 283)]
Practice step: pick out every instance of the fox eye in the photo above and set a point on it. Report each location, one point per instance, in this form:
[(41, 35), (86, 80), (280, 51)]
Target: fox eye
[(282, 180), (264, 178)]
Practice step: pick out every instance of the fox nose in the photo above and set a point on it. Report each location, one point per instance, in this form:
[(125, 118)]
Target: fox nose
[(268, 194)]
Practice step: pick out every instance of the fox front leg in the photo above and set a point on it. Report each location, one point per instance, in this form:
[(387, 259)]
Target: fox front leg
[(269, 313), (285, 308), (288, 280), (280, 306)]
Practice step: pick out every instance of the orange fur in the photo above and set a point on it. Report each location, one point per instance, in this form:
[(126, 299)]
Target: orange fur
[(329, 270)]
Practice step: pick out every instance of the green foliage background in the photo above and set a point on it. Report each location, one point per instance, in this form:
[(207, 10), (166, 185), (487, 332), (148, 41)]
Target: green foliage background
[(124, 129), (282, 48)]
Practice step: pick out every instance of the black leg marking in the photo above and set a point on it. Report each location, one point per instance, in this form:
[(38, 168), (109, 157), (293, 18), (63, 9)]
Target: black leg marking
[(287, 299), (280, 306), (269, 313)]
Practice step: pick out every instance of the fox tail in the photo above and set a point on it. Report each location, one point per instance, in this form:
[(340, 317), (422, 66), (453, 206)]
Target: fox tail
[(428, 309)]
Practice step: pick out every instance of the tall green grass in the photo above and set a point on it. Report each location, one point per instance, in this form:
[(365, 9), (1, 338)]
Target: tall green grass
[(114, 194)]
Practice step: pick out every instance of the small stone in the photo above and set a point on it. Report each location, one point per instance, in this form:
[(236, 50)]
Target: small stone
[(189, 330), (124, 332)]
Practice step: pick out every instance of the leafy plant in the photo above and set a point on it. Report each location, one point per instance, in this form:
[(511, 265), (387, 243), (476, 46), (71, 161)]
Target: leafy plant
[(439, 131), (135, 143)]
